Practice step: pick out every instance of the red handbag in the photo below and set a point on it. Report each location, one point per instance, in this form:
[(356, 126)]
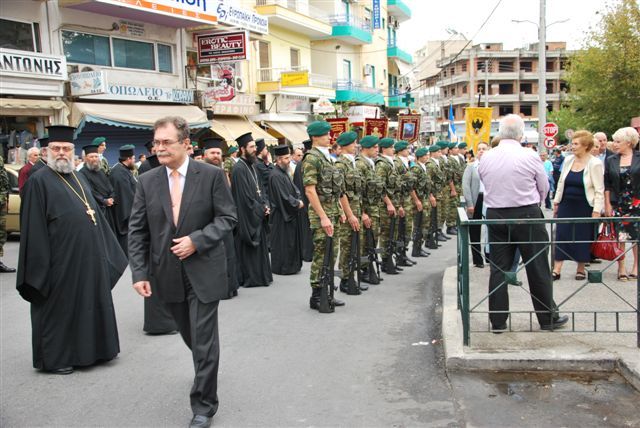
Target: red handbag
[(606, 247)]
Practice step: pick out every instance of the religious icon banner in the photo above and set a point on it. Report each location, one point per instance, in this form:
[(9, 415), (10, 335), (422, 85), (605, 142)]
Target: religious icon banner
[(338, 126), (478, 126), (408, 127), (376, 127)]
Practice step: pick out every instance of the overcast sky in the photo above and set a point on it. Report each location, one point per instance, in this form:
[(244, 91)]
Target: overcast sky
[(431, 18)]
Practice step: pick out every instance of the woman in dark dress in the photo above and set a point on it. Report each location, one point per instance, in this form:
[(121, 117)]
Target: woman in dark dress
[(580, 193), (622, 195)]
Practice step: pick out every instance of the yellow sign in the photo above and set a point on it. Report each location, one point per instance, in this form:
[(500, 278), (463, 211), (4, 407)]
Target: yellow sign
[(478, 124), (294, 78)]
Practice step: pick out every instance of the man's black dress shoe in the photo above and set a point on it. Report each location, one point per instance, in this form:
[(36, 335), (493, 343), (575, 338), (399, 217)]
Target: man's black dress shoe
[(61, 371), (498, 329), (200, 421), (6, 269), (557, 323)]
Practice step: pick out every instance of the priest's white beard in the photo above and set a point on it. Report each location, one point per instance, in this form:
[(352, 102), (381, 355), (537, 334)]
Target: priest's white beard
[(92, 166), (63, 166)]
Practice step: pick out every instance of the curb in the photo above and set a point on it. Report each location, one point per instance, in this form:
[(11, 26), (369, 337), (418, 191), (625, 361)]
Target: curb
[(461, 358)]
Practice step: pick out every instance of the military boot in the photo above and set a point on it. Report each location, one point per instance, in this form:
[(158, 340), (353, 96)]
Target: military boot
[(314, 301)]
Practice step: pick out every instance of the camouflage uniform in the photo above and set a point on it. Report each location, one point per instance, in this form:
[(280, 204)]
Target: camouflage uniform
[(457, 170), (445, 193), (353, 186), (320, 172), (373, 191), (228, 165), (438, 179), (104, 165), (407, 185), (423, 188), (4, 205), (385, 170)]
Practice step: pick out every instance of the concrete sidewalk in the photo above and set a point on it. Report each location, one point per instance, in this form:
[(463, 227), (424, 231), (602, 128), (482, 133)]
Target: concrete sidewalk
[(520, 350)]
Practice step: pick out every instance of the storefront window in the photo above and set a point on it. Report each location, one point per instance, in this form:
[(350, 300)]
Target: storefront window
[(19, 35), (86, 48), (164, 59), (132, 54)]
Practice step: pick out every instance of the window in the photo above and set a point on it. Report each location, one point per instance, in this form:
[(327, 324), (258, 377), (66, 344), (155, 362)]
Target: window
[(295, 58), (265, 62), (549, 87), (480, 65), (367, 18), (505, 88), (505, 110), (346, 69), (86, 48), (22, 36), (551, 65), (527, 88), (345, 8), (371, 78), (505, 66), (164, 59), (464, 89), (526, 109), (464, 67), (526, 66), (132, 54)]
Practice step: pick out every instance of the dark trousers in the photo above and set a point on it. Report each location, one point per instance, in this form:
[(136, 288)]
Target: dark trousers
[(474, 232), (538, 270), (198, 326)]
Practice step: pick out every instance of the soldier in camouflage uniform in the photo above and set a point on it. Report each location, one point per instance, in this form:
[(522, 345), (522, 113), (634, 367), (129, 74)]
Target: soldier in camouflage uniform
[(407, 191), (445, 193), (101, 143), (457, 169), (439, 185), (323, 185), (4, 205), (373, 191), (422, 190), (230, 161), (351, 202), (391, 205)]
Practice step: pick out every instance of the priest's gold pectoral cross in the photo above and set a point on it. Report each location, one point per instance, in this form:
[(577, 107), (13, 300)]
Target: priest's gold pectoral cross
[(91, 213)]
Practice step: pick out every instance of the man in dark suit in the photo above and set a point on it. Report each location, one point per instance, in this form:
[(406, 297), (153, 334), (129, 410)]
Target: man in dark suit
[(183, 255)]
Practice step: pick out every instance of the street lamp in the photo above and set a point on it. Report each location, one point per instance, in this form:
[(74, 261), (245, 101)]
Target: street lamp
[(542, 67)]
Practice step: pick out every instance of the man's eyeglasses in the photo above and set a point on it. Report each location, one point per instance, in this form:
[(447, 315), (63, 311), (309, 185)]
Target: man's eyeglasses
[(165, 143), (65, 149)]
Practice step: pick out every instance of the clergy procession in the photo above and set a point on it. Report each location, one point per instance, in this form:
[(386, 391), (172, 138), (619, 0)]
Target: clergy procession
[(194, 227)]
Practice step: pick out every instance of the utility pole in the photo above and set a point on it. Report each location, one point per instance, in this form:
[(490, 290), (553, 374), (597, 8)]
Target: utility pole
[(486, 83), (542, 73)]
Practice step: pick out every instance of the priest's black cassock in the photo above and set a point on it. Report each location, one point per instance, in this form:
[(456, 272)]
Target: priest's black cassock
[(286, 258), (124, 184), (252, 252), (66, 269), (101, 189), (304, 227)]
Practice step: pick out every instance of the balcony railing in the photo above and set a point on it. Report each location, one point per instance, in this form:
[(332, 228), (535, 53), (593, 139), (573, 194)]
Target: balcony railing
[(315, 80), (302, 7), (350, 20), (356, 85)]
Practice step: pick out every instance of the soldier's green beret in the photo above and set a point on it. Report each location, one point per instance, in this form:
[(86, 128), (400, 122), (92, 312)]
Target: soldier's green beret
[(422, 151), (232, 150), (453, 145), (385, 143), (98, 140), (318, 128), (462, 145), (443, 144), (347, 138), (434, 148), (400, 145), (369, 141)]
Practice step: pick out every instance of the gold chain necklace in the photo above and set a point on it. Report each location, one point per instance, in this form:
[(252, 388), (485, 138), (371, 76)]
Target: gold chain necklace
[(254, 175), (82, 198)]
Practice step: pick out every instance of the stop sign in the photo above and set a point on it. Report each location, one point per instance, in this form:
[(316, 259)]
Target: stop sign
[(550, 130)]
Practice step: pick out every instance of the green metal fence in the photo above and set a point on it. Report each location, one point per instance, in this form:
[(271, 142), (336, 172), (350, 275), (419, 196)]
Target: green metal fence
[(625, 319)]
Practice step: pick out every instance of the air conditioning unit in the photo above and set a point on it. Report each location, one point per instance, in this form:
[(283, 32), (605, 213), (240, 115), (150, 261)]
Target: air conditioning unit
[(240, 85), (368, 70)]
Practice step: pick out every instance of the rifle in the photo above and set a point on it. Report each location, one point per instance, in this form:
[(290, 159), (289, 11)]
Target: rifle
[(401, 245), (373, 274), (326, 278), (389, 264), (417, 235), (432, 241), (353, 281)]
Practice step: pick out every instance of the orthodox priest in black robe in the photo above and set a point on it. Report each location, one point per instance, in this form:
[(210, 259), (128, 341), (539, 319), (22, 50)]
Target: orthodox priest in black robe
[(252, 251), (101, 187), (124, 184), (304, 227), (286, 201), (69, 261)]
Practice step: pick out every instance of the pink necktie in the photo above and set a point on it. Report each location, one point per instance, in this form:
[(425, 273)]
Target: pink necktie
[(176, 195)]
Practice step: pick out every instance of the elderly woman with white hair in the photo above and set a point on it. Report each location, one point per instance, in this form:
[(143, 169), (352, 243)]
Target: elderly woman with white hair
[(622, 190)]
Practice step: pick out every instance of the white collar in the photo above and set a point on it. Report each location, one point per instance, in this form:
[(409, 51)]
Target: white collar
[(236, 159), (373, 164), (325, 152), (423, 166), (436, 161), (182, 169), (405, 161), (352, 158), (389, 158)]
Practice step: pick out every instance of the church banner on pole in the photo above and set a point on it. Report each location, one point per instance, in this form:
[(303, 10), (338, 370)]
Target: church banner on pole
[(478, 126)]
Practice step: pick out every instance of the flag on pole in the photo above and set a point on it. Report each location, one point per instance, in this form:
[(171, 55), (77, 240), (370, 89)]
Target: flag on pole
[(452, 128), (478, 126)]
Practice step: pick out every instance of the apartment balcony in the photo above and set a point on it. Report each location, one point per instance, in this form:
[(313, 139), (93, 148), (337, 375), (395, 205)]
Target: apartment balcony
[(396, 99), (451, 80), (504, 98), (500, 75), (350, 29), (393, 51), (533, 75), (296, 81), (528, 97), (399, 9), (357, 91), (296, 16)]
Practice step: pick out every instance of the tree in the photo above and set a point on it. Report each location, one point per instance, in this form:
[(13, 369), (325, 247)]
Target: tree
[(604, 77)]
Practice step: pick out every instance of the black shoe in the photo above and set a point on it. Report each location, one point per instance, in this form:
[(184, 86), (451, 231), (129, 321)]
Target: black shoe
[(6, 269), (344, 285), (61, 371), (161, 333), (557, 323), (200, 421), (479, 265), (314, 301), (442, 236), (363, 287), (337, 302), (498, 329)]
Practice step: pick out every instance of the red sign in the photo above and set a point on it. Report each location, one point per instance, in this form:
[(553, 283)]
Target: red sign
[(549, 142), (377, 127), (550, 130), (218, 47), (408, 127), (338, 126)]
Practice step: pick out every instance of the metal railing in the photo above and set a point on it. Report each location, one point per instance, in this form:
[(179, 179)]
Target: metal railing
[(300, 6), (355, 85), (350, 20), (315, 80), (585, 315)]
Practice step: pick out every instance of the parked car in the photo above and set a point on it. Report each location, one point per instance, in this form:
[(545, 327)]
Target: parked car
[(13, 216)]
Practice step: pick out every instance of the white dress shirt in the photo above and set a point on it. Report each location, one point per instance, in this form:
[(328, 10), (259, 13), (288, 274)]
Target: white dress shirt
[(182, 171)]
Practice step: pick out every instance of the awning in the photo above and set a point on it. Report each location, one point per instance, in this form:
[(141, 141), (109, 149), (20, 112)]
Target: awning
[(295, 132), (24, 107), (404, 68), (231, 127), (134, 115)]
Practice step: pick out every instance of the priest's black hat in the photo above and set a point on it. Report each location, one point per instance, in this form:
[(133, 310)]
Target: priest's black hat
[(126, 151), (61, 133), (260, 145), (244, 139), (213, 143), (44, 141), (153, 161), (90, 149), (197, 152), (281, 150), (149, 145), (307, 144)]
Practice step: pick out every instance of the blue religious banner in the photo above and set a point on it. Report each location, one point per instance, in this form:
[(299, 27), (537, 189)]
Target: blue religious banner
[(377, 22)]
